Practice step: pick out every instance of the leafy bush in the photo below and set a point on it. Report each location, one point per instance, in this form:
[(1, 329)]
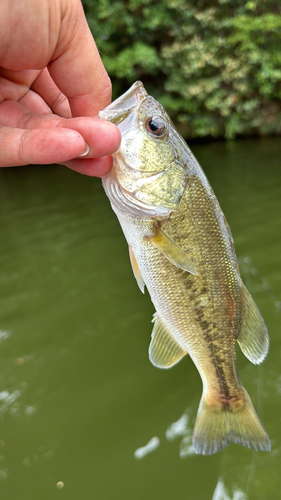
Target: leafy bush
[(214, 64)]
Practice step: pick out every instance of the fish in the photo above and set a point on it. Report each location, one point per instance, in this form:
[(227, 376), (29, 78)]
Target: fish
[(181, 249)]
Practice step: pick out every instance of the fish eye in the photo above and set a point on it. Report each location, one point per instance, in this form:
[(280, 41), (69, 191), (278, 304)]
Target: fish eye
[(156, 125)]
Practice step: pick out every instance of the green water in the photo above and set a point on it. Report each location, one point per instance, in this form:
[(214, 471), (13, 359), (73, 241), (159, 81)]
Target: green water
[(78, 395)]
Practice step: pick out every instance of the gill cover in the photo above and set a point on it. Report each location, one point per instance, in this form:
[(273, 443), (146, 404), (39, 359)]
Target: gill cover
[(149, 172)]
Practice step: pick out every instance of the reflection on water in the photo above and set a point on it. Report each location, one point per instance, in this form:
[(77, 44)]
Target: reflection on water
[(4, 335), (181, 429), (148, 448), (78, 395), (221, 493)]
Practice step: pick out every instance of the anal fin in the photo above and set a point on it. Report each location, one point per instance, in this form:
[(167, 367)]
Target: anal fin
[(164, 351), (136, 270), (253, 337), (171, 250)]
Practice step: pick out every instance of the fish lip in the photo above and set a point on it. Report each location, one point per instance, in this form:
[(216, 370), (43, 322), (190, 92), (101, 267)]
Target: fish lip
[(121, 107)]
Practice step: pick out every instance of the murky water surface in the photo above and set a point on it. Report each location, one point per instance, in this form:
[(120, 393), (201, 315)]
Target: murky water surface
[(83, 413)]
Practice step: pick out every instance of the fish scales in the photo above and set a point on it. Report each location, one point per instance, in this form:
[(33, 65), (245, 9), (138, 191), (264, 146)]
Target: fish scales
[(206, 326), (182, 250)]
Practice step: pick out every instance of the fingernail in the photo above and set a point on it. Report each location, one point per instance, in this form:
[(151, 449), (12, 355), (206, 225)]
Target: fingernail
[(87, 150)]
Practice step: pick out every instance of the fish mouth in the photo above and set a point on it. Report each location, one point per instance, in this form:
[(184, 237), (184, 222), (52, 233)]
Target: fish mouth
[(119, 109)]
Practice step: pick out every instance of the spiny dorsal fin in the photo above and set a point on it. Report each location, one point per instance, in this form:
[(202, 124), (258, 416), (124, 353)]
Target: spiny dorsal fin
[(164, 351), (136, 270), (253, 338), (171, 250)]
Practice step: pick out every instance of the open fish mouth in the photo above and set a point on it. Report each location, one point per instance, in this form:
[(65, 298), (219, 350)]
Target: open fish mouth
[(119, 109)]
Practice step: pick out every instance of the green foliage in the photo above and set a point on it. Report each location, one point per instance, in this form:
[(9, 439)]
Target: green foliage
[(214, 64)]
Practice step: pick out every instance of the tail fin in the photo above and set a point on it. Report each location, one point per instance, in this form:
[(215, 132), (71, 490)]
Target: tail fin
[(216, 428)]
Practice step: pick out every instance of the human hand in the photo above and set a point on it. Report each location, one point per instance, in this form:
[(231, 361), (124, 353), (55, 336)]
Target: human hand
[(52, 84)]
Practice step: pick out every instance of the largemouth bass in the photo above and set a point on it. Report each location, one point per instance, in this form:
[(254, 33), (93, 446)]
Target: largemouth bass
[(181, 249)]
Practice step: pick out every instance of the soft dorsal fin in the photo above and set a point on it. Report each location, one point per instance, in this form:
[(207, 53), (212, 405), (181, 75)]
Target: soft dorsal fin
[(171, 250), (136, 270), (253, 337), (164, 351)]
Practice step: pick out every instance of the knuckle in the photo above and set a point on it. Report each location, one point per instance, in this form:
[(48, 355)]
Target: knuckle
[(22, 123), (21, 148), (60, 105), (106, 86)]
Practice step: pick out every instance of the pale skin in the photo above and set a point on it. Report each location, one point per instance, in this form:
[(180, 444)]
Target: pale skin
[(52, 85)]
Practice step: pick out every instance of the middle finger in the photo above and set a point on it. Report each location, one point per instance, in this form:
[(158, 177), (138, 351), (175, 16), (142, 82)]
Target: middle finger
[(46, 88)]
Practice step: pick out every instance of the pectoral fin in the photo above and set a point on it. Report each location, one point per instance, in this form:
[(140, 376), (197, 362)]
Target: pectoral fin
[(136, 270), (253, 337), (171, 250), (164, 351)]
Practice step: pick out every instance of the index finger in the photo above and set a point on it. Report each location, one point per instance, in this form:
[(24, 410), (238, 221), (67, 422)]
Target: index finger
[(76, 66)]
